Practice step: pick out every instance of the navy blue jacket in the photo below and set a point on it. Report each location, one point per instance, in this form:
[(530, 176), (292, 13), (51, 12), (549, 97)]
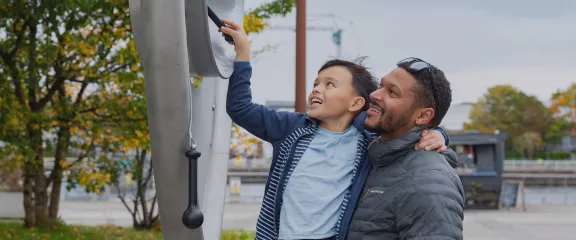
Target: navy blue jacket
[(289, 133)]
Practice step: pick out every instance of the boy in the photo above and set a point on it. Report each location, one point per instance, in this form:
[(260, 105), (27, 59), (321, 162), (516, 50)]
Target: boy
[(316, 156)]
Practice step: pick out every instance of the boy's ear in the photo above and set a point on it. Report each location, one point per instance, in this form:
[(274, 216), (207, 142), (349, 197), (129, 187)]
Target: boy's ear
[(357, 104)]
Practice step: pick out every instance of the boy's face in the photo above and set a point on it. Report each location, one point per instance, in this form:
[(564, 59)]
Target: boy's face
[(333, 95)]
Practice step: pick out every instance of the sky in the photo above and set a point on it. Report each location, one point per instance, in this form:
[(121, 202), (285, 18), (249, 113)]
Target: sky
[(529, 44)]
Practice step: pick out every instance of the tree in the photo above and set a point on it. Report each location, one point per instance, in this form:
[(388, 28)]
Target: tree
[(563, 105), (528, 143), (241, 142), (505, 108), (58, 61)]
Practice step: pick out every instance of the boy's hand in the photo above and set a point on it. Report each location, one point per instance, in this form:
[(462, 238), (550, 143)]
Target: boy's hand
[(241, 42), (432, 139)]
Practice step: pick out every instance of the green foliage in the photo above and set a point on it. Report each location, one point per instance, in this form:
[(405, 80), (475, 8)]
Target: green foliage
[(564, 105), (506, 108), (66, 68), (72, 81), (14, 230), (274, 8), (558, 128)]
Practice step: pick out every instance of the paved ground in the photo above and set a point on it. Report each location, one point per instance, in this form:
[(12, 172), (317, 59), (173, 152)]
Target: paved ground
[(539, 222)]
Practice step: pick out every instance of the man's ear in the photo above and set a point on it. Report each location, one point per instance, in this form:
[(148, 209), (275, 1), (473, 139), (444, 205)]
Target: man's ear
[(357, 104), (424, 116)]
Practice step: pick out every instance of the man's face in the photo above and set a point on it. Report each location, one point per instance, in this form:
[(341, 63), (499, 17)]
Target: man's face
[(332, 95), (392, 109)]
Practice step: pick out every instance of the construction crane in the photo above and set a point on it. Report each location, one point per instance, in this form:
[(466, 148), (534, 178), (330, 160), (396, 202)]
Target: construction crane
[(336, 34)]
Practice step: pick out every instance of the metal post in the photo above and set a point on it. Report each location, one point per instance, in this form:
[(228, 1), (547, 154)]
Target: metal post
[(216, 176), (203, 99), (160, 34), (300, 98)]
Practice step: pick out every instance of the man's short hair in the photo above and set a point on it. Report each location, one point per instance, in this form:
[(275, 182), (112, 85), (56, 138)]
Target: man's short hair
[(363, 81), (440, 100)]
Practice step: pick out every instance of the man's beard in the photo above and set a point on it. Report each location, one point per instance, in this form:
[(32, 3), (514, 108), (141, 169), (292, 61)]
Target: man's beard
[(389, 124)]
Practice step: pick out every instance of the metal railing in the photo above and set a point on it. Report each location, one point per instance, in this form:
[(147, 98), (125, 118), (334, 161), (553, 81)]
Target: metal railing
[(551, 165), (554, 165)]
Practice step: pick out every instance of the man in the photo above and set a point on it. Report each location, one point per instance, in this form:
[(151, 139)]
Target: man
[(409, 193)]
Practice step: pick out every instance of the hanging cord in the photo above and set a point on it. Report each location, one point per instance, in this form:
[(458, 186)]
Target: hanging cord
[(192, 217)]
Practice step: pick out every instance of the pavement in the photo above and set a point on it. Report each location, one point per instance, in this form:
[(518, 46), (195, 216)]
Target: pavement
[(539, 222)]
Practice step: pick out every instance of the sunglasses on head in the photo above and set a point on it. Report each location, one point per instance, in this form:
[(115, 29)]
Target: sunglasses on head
[(416, 65)]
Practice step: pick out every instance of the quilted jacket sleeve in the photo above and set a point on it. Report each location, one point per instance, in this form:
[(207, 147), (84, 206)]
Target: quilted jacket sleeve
[(431, 208)]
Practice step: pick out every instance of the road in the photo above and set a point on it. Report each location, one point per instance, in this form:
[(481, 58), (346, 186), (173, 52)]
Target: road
[(539, 222)]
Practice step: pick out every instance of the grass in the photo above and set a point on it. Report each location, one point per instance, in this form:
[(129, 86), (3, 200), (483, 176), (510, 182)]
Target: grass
[(15, 230)]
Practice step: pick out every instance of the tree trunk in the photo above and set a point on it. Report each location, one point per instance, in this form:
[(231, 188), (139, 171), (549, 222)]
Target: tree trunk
[(28, 192), (142, 187), (34, 180), (56, 175), (40, 194)]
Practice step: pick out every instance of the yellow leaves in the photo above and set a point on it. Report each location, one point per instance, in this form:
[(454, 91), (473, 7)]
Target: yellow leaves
[(254, 24), (63, 164), (241, 142), (121, 31), (92, 181), (139, 134), (107, 177), (134, 68), (36, 126), (563, 104), (196, 81), (74, 130), (85, 48)]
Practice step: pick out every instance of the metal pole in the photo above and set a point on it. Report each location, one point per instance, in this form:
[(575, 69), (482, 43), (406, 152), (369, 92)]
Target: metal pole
[(217, 175), (300, 98), (160, 33)]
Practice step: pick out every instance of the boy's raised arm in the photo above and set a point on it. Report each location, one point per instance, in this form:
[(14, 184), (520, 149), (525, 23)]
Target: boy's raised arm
[(265, 123)]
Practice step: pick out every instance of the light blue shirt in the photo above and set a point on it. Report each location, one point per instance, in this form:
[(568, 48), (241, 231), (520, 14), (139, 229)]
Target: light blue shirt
[(317, 186)]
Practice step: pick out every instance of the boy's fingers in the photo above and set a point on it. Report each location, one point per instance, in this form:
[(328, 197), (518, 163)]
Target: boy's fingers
[(232, 24), (228, 31), (443, 148), (424, 132), (433, 146), (426, 138), (426, 143)]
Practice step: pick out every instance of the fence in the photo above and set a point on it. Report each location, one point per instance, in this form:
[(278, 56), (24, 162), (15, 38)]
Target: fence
[(543, 165)]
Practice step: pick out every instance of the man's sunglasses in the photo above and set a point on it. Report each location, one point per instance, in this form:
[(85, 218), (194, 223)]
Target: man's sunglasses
[(416, 65)]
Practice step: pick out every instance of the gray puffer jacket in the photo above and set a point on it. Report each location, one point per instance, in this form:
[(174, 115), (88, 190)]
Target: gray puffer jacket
[(409, 194)]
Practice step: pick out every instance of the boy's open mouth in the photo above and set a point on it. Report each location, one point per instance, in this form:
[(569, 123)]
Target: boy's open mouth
[(315, 101)]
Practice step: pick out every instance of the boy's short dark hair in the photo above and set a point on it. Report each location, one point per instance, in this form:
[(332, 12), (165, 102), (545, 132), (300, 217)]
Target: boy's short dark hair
[(438, 96), (363, 81)]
